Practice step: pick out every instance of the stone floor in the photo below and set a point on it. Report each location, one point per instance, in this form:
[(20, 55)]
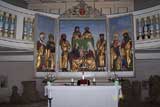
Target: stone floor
[(134, 103), (37, 104), (121, 104)]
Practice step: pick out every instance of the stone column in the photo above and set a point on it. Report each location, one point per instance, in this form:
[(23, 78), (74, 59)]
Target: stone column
[(19, 26), (25, 28), (6, 26), (12, 28), (30, 22), (151, 28), (1, 23), (145, 28), (157, 26), (139, 29)]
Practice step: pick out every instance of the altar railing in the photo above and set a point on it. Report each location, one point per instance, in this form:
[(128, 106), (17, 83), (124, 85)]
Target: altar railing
[(147, 27), (16, 22), (17, 26)]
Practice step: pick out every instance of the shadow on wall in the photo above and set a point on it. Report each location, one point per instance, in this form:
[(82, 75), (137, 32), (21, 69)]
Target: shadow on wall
[(3, 81), (143, 4), (132, 92), (19, 3)]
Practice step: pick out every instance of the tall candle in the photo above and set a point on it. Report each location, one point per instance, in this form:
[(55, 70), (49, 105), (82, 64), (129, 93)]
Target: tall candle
[(72, 80), (49, 92), (94, 80), (83, 77)]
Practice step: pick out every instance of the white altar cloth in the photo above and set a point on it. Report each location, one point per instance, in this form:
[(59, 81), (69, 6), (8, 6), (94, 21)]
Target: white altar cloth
[(83, 96)]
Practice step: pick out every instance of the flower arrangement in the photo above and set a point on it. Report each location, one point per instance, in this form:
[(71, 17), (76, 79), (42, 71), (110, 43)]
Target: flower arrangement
[(49, 78)]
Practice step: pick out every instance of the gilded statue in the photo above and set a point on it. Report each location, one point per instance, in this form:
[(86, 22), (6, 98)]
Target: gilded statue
[(75, 53), (90, 61), (87, 38), (82, 55), (101, 49), (83, 61), (75, 58), (76, 37), (41, 51), (126, 48), (50, 53), (65, 47), (115, 59)]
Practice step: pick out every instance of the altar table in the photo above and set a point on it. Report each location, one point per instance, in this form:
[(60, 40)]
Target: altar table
[(83, 96)]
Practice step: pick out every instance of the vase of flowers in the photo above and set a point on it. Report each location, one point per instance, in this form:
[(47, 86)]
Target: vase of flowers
[(49, 78)]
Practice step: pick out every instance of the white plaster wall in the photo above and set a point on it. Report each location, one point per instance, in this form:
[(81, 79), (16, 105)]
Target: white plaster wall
[(16, 72), (146, 68)]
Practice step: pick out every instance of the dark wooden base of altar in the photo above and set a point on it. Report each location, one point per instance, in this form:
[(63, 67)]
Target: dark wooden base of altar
[(30, 93)]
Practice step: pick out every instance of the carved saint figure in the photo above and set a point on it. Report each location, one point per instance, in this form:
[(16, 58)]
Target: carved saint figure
[(50, 53), (101, 55), (126, 48), (65, 47), (87, 38), (90, 62), (76, 58), (41, 47), (76, 37), (115, 60)]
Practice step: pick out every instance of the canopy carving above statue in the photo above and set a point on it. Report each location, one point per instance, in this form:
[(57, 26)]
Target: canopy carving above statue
[(82, 10)]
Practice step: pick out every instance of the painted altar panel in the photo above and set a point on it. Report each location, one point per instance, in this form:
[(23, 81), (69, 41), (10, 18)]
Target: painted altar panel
[(121, 39), (44, 60), (82, 45)]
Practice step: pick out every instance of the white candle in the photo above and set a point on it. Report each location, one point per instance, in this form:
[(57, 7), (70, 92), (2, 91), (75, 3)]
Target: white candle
[(94, 80), (49, 92), (45, 91), (72, 80), (83, 77)]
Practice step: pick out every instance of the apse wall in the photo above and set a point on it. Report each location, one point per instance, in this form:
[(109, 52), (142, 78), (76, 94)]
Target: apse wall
[(143, 4), (16, 73), (20, 3), (22, 69)]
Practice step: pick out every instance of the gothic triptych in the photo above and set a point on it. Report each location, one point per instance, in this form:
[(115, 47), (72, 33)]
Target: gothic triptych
[(78, 45)]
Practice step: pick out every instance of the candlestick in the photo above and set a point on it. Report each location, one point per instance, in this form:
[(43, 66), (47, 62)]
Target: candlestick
[(50, 96)]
